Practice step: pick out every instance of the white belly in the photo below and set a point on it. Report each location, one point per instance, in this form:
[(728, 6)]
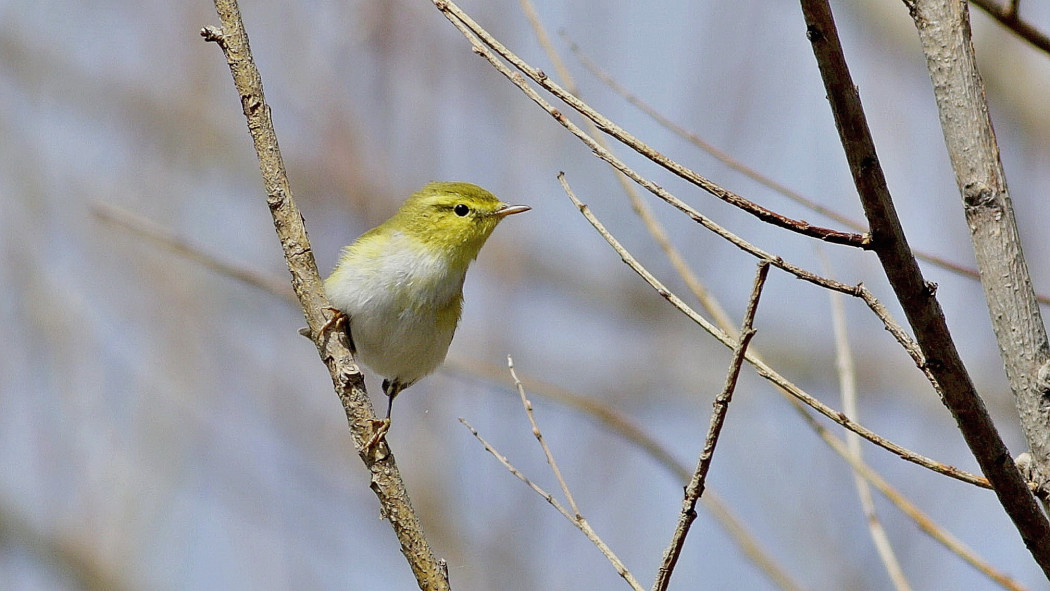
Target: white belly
[(403, 308)]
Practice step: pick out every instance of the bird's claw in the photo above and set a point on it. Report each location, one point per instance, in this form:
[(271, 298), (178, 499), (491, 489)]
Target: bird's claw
[(380, 427), (337, 318)]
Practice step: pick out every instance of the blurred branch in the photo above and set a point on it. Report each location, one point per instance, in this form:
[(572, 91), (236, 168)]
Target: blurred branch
[(944, 30), (914, 294), (1007, 15), (574, 517), (481, 39), (333, 346), (848, 388), (760, 367), (165, 237), (925, 523), (751, 173), (695, 489), (64, 554)]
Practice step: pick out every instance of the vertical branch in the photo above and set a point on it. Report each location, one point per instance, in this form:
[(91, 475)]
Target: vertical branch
[(333, 346), (915, 295), (695, 489), (848, 389), (944, 30)]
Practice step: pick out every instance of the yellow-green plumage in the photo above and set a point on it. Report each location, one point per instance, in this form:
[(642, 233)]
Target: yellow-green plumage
[(401, 283)]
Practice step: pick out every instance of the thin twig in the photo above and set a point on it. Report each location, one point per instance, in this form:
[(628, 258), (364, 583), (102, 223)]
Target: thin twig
[(306, 281), (576, 520), (640, 207), (848, 389), (695, 489), (479, 37), (914, 294), (543, 443), (1007, 15), (164, 236), (760, 367), (749, 172), (519, 81), (623, 426)]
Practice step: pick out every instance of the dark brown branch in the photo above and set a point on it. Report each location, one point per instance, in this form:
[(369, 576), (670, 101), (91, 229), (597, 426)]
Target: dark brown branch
[(306, 281), (915, 295), (1007, 15), (695, 489)]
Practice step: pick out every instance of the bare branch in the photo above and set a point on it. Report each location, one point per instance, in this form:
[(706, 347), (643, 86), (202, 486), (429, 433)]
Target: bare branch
[(915, 295), (751, 173), (1007, 15), (165, 237), (576, 519), (695, 489), (760, 367), (480, 39), (306, 281), (848, 388), (525, 402)]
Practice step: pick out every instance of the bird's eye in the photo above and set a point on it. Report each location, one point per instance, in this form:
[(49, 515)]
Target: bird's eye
[(461, 210)]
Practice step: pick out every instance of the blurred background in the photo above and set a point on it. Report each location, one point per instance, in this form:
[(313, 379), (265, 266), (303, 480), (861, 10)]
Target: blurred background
[(162, 425)]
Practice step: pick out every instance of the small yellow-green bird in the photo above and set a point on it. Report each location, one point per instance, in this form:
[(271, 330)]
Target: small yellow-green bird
[(401, 283)]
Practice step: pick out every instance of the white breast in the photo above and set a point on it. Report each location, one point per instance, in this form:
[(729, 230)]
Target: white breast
[(393, 301)]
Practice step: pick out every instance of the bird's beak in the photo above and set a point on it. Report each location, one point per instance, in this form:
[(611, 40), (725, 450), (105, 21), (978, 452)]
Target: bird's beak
[(510, 210)]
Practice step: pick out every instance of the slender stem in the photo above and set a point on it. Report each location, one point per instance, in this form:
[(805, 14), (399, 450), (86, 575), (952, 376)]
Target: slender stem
[(468, 25), (848, 393), (695, 489), (525, 402), (576, 519)]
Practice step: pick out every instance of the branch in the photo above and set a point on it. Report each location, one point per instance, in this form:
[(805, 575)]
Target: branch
[(915, 295), (1007, 15), (576, 519), (695, 489), (944, 32), (760, 366), (848, 388), (644, 212), (477, 36), (760, 178), (333, 346)]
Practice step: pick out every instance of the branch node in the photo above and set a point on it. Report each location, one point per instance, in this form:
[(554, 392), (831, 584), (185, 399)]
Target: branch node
[(978, 194), (1042, 378), (213, 34)]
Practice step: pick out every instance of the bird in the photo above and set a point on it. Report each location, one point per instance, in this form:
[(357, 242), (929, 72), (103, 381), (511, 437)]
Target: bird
[(400, 285)]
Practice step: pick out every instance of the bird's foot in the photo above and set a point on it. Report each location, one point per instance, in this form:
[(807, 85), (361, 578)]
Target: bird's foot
[(379, 431), (336, 320)]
